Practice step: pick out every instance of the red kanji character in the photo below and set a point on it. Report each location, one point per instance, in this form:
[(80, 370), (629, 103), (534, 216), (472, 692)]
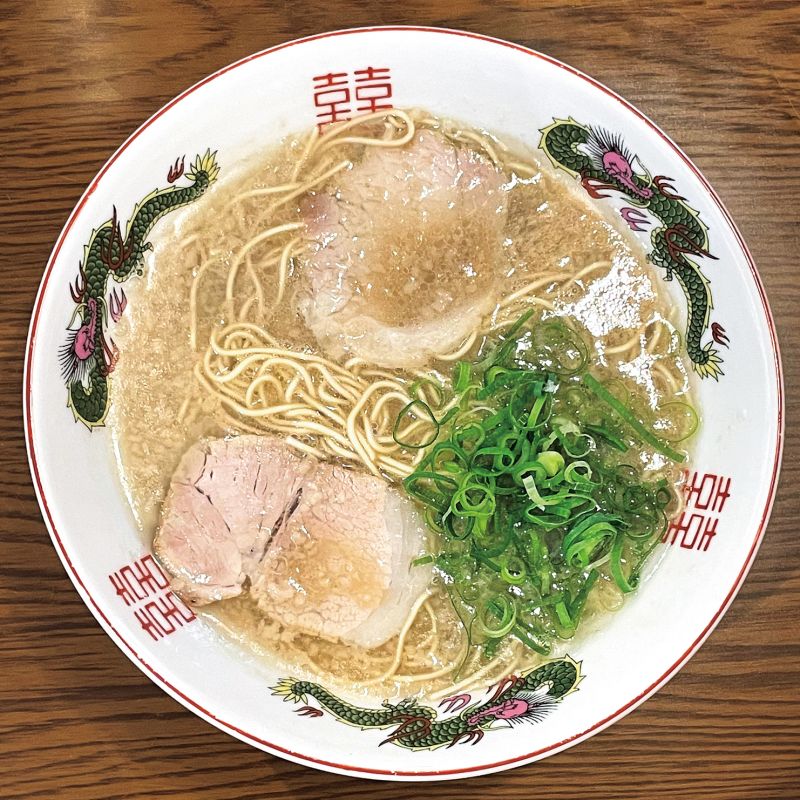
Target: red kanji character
[(373, 85), (675, 527), (693, 487), (171, 608), (722, 493), (694, 528), (132, 579), (708, 491), (185, 611), (705, 492), (162, 619), (149, 576), (331, 97), (123, 589), (709, 532), (684, 525), (148, 623)]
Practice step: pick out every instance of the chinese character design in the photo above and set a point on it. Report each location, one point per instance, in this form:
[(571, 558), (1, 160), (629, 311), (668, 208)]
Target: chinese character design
[(696, 526), (339, 95), (144, 587)]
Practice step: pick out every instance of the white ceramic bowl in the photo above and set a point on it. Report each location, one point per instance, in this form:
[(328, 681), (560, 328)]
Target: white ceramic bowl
[(510, 90)]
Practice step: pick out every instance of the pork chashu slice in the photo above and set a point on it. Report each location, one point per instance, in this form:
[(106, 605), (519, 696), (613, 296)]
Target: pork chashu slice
[(322, 549), (403, 252)]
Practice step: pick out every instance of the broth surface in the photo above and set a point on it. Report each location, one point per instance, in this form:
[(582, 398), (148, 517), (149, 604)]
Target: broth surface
[(602, 283)]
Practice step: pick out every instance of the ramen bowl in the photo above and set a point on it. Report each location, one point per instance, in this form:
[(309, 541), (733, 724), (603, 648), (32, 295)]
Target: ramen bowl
[(707, 550)]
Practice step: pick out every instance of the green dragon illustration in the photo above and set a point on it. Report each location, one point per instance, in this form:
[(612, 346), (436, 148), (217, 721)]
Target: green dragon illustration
[(528, 697), (89, 355), (602, 162)]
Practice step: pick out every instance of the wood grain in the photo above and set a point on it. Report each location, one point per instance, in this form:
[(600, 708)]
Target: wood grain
[(77, 719)]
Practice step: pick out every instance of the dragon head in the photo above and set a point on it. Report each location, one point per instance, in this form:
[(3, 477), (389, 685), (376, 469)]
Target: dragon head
[(609, 154), (76, 353), (520, 707)]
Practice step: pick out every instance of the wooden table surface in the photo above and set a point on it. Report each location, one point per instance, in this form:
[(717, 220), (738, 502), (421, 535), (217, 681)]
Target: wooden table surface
[(77, 719)]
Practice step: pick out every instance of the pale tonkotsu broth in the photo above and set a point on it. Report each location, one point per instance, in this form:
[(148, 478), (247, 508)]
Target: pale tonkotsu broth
[(227, 282)]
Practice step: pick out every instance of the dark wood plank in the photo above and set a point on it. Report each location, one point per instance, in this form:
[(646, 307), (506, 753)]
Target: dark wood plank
[(77, 720)]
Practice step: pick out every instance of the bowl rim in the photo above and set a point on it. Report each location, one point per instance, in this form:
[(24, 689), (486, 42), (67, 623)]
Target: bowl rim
[(309, 760)]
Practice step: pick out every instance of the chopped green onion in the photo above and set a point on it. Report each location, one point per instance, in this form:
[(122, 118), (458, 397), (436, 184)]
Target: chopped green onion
[(501, 607), (579, 472), (579, 601), (625, 414), (611, 438), (690, 428), (420, 383), (552, 461), (521, 481), (587, 540), (563, 615), (461, 376), (538, 500), (615, 565), (424, 409)]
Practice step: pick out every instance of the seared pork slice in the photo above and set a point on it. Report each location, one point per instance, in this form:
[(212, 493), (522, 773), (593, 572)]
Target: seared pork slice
[(340, 567), (404, 252), (227, 499), (322, 549)]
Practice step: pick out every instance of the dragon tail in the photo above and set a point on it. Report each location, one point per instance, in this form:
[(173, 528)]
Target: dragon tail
[(206, 163), (709, 367), (290, 689)]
